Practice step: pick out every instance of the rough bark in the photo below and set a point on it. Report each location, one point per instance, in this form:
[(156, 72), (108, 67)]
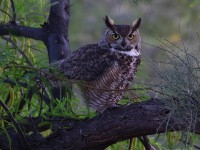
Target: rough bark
[(123, 123), (57, 41), (139, 119), (29, 32)]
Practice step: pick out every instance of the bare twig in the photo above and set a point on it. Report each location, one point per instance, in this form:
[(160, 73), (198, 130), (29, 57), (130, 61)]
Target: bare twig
[(192, 144), (14, 12), (145, 141), (130, 143), (7, 14)]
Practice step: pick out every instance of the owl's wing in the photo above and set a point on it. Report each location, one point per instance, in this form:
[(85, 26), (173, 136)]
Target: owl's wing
[(87, 63)]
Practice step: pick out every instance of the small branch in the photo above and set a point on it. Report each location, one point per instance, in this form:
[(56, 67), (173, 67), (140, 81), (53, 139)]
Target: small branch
[(145, 142), (130, 144), (14, 12), (29, 32), (12, 82), (189, 143), (19, 130), (19, 50), (6, 14)]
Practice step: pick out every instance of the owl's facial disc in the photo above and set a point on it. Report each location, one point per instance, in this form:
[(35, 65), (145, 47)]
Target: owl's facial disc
[(122, 38)]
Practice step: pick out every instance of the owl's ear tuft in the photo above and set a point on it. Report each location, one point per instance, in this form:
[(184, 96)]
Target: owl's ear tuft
[(109, 22), (136, 24)]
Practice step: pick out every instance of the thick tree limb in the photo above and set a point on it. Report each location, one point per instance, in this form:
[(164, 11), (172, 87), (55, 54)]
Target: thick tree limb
[(58, 22), (29, 32), (145, 118), (57, 41), (123, 123)]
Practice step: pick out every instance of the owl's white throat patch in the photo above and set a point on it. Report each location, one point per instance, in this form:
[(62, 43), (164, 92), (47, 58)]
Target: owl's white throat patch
[(133, 52)]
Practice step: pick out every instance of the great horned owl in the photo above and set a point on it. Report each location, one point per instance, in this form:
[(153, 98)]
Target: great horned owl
[(106, 68)]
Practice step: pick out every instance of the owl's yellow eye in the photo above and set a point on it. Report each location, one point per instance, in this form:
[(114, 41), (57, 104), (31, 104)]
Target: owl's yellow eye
[(130, 36), (115, 36)]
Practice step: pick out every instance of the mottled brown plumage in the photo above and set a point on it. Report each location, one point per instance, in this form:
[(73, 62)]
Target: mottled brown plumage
[(108, 67)]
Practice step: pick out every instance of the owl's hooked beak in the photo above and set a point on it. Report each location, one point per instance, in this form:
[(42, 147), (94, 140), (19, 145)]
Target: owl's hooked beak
[(125, 47), (123, 44)]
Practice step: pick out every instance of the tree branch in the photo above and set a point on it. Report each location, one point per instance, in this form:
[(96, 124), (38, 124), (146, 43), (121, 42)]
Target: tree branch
[(58, 22), (145, 118), (19, 50), (57, 41), (29, 32), (14, 12), (139, 119)]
